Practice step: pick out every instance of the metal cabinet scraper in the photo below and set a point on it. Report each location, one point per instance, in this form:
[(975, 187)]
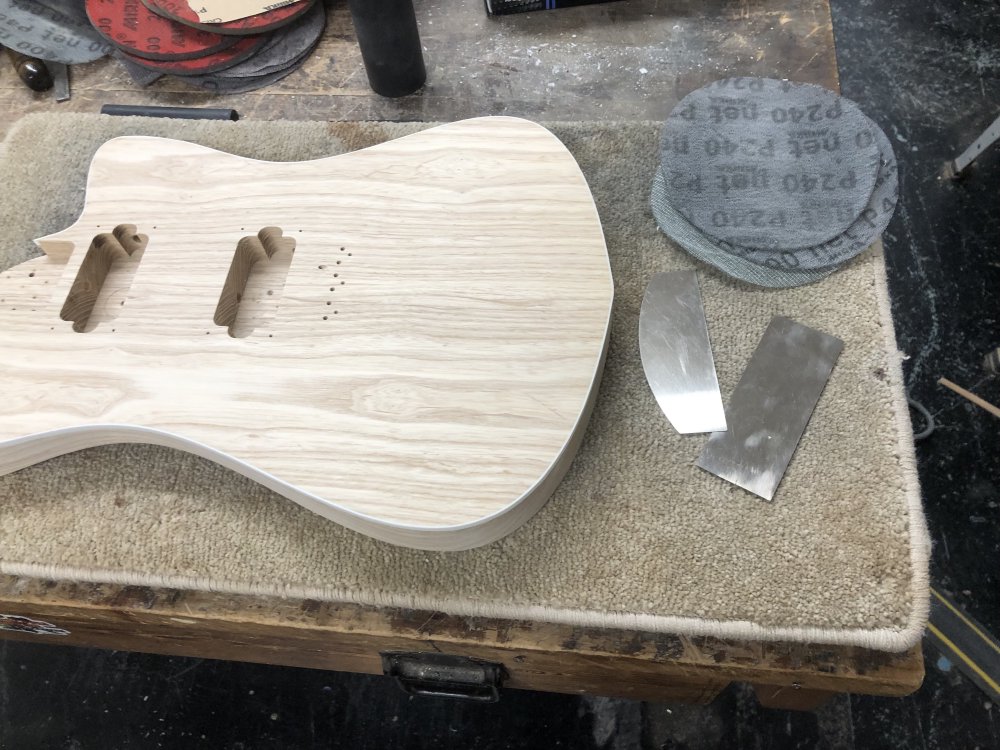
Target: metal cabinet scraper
[(771, 405), (677, 355)]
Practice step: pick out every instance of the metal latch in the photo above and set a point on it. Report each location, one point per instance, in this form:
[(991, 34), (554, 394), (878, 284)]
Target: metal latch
[(445, 675)]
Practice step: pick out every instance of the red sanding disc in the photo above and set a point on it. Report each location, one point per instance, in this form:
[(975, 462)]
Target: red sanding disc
[(134, 29), (240, 51), (180, 11)]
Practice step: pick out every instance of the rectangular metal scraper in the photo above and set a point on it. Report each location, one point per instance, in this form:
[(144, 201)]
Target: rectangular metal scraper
[(771, 406), (677, 355)]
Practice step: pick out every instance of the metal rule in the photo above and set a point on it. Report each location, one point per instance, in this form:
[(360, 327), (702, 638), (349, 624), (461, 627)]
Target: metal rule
[(771, 406), (60, 78), (677, 354), (990, 136)]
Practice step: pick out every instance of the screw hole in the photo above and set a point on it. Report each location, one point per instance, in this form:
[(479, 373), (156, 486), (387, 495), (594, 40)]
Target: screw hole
[(31, 274), (270, 292), (326, 317), (322, 268)]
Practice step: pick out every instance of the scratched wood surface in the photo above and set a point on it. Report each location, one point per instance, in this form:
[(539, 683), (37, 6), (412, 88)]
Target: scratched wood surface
[(539, 656), (629, 60), (438, 327)]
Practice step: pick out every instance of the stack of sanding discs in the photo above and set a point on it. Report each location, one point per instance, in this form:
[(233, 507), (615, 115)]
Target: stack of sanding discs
[(773, 182), (153, 38)]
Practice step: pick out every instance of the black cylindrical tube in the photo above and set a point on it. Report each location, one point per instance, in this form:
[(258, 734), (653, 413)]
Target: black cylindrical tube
[(390, 45), (184, 113)]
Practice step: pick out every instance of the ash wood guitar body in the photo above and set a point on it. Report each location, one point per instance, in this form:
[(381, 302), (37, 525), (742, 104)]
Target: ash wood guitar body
[(406, 339)]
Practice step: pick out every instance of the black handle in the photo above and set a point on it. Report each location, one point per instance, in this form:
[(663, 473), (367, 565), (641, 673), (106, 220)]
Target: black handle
[(32, 71)]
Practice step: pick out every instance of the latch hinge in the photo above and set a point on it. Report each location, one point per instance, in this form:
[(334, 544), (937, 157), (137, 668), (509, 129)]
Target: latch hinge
[(445, 675)]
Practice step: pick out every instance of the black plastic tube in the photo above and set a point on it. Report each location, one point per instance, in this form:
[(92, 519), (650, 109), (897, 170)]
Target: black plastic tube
[(390, 45), (184, 113)]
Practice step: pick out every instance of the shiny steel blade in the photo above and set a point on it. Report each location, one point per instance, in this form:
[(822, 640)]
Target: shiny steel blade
[(771, 405), (60, 78), (677, 355)]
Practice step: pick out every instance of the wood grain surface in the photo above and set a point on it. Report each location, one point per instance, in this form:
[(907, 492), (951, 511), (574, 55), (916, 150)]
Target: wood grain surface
[(405, 339)]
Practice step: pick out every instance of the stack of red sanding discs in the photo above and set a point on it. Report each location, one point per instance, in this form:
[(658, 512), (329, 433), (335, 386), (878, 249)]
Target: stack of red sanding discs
[(155, 37)]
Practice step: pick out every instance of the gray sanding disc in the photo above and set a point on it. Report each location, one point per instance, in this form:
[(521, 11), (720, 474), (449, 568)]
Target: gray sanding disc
[(53, 30), (139, 75), (221, 85), (859, 236), (717, 252), (771, 164)]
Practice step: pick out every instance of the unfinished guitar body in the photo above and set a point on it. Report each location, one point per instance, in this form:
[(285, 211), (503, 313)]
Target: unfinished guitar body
[(406, 339)]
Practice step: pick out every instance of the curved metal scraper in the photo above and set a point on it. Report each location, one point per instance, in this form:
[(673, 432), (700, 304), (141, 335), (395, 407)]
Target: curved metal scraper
[(677, 355)]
